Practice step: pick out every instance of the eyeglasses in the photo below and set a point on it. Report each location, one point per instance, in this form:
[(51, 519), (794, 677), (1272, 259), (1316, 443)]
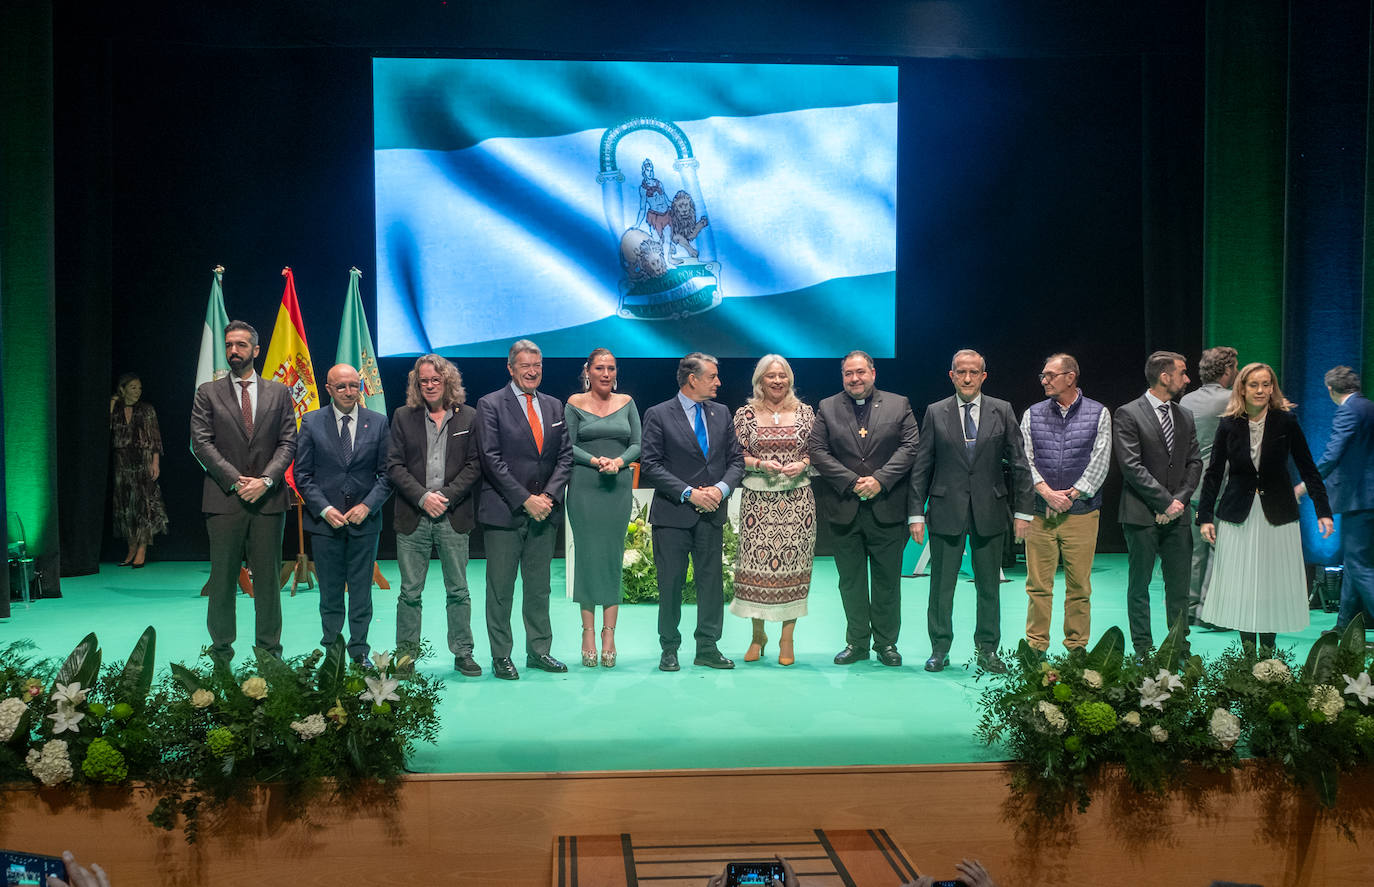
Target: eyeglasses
[(433, 380), (1045, 377)]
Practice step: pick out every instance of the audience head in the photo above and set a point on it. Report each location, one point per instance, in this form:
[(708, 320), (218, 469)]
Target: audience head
[(434, 383), (1342, 380), (525, 363), (1059, 375), (1258, 386), (345, 386), (129, 388), (967, 370), (240, 346), (1166, 372)]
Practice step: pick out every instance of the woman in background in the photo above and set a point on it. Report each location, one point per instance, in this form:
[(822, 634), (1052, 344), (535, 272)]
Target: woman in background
[(138, 510), (604, 429), (1259, 585), (777, 534)]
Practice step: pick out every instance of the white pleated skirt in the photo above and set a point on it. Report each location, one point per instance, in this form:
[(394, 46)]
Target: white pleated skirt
[(1258, 580)]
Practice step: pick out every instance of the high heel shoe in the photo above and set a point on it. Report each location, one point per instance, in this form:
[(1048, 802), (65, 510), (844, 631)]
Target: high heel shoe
[(607, 656), (755, 651), (588, 659), (786, 653)]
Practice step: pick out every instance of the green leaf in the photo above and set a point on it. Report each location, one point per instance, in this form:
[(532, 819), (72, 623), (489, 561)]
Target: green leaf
[(1171, 651), (1325, 780), (333, 669), (1027, 656), (83, 665), (1109, 651), (1321, 660), (271, 667), (355, 752), (185, 677), (1352, 639), (137, 677)]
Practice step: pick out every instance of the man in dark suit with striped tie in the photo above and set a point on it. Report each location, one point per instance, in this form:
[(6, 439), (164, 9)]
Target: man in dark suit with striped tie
[(1157, 449), (692, 459)]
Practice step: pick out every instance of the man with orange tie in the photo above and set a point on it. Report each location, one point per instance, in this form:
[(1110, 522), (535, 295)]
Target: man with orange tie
[(526, 463)]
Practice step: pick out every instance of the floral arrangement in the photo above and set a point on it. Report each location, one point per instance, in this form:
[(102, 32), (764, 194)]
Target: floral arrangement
[(1063, 717), (639, 576), (316, 724)]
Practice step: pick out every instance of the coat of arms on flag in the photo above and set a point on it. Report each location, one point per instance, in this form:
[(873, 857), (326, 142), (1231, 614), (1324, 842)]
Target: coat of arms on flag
[(668, 256)]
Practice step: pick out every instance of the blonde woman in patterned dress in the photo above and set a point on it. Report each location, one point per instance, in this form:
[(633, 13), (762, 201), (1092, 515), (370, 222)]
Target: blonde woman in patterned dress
[(777, 508)]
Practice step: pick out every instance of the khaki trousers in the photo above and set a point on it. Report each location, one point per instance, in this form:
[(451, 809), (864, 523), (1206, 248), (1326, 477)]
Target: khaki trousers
[(1072, 539)]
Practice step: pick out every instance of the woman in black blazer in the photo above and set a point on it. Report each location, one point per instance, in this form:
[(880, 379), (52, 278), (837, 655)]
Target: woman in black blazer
[(1258, 580)]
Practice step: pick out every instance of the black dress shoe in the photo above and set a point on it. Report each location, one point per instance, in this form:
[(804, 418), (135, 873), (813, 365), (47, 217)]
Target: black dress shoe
[(465, 664), (937, 662), (504, 669), (850, 655), (712, 659), (991, 662), (668, 661), (888, 655), (126, 563), (545, 662)]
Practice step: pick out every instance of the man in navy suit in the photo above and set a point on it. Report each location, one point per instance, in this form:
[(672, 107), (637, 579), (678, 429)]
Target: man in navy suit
[(526, 463), (692, 459), (341, 475), (1347, 466)]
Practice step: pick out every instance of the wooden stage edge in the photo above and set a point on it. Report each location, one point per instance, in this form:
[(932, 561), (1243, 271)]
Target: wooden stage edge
[(497, 829)]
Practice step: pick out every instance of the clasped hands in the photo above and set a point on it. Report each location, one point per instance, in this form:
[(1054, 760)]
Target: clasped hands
[(1171, 513), (539, 506), (772, 467), (607, 465), (705, 499), (867, 487), (250, 489), (355, 515)]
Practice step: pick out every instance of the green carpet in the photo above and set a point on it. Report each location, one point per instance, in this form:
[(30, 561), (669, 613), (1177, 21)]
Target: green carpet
[(633, 716)]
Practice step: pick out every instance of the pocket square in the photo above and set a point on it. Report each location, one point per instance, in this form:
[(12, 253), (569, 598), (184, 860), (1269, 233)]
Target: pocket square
[(459, 433), (555, 425)]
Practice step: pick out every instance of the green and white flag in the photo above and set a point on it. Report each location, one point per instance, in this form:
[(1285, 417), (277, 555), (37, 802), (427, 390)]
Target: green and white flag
[(212, 364), (355, 346)]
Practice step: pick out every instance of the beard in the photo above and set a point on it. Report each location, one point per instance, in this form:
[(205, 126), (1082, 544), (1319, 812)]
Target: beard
[(237, 363)]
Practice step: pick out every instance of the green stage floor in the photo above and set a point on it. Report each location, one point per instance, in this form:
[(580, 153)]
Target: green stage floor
[(633, 716)]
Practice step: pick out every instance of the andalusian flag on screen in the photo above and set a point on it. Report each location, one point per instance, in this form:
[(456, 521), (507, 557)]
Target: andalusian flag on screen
[(650, 207), (355, 346), (212, 364), (288, 357)]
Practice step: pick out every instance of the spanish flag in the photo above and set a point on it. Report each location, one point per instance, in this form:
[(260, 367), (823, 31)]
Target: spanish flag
[(288, 357)]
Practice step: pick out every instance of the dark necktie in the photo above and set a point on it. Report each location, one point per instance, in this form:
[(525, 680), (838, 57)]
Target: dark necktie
[(1166, 423), (970, 430), (701, 432), (346, 440), (246, 404)]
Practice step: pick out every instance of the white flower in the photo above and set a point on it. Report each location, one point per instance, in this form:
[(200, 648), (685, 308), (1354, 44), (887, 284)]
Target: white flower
[(51, 765), (1326, 700), (72, 694), (1272, 671), (1169, 681), (66, 718), (379, 690), (255, 687), (1159, 734), (382, 661), (309, 728), (1359, 687), (11, 710), (632, 557), (1054, 718), (1224, 727), (1131, 719), (1092, 678), (202, 698), (1153, 694)]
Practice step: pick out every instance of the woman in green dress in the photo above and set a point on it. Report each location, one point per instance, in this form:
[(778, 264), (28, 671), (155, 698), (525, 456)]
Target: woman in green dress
[(604, 428)]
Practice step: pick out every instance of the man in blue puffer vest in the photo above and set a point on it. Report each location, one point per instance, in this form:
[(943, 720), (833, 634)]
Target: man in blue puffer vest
[(1069, 447)]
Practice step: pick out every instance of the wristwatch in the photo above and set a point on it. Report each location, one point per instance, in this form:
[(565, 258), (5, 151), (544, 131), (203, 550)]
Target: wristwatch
[(268, 481)]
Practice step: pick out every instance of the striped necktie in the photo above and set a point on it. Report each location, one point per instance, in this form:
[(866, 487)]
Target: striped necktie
[(1166, 422)]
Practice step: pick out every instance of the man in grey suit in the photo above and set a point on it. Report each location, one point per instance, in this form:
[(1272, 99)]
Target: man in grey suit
[(959, 488), (863, 444), (692, 459), (1157, 449), (434, 465), (341, 475), (1347, 466), (1218, 370), (526, 462), (243, 432)]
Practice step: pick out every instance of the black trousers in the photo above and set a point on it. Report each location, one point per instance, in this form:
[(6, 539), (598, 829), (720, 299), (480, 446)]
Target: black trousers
[(1172, 545), (946, 556), (672, 547), (865, 550)]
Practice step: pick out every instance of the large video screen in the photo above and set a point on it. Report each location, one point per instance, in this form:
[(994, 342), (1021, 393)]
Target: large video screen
[(652, 208)]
